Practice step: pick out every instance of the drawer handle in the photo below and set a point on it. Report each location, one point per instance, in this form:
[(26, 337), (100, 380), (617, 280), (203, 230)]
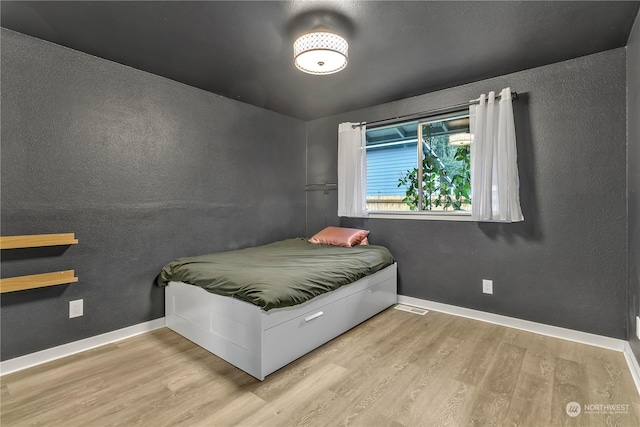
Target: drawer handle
[(313, 316)]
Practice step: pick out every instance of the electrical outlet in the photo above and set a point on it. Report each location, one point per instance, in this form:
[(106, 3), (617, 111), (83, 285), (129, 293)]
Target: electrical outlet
[(487, 286), (638, 327), (76, 308)]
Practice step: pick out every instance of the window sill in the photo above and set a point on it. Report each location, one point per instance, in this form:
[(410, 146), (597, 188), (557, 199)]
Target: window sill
[(428, 216)]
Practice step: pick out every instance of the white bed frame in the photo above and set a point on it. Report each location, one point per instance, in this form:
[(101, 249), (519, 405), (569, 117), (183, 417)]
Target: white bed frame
[(261, 342)]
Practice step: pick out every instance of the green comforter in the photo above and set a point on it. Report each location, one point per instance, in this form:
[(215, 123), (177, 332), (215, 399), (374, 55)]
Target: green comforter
[(280, 274)]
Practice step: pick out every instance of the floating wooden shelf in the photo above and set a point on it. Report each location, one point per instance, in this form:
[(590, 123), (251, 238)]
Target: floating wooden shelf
[(37, 281), (37, 240)]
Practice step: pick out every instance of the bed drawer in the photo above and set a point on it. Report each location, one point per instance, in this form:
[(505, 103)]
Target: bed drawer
[(288, 341), (369, 302)]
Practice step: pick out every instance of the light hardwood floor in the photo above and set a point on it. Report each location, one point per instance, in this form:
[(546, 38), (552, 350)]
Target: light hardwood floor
[(397, 369)]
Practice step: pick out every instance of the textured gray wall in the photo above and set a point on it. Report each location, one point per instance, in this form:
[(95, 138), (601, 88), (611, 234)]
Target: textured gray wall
[(633, 135), (143, 170), (566, 264)]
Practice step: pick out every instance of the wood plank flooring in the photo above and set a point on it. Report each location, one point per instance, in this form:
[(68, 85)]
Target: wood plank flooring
[(397, 369)]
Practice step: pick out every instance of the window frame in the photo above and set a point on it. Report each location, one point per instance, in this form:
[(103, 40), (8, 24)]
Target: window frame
[(439, 215)]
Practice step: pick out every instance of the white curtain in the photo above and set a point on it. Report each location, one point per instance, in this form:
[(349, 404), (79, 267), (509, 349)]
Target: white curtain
[(495, 185), (352, 170)]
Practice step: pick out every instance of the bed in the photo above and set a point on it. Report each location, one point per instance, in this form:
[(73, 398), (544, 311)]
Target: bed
[(226, 304)]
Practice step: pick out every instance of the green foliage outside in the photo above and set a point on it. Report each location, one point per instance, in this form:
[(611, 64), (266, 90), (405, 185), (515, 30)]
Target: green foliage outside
[(446, 176)]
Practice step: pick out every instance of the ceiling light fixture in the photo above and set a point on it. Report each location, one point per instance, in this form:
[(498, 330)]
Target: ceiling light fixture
[(460, 139), (320, 52)]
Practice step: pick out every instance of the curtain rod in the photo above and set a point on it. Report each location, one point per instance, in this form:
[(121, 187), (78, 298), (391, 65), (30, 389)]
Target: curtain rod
[(423, 114)]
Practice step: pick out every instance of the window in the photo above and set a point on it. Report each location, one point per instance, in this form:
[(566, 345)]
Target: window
[(440, 181)]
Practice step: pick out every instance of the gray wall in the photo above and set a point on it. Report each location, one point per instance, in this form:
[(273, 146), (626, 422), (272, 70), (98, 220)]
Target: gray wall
[(633, 135), (143, 170), (566, 264)]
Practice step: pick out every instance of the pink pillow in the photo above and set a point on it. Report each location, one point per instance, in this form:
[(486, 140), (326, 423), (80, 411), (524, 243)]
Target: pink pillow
[(364, 241), (340, 236)]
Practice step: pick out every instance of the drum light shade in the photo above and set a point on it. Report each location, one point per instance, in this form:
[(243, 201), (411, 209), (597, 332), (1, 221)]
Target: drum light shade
[(320, 53), (460, 139)]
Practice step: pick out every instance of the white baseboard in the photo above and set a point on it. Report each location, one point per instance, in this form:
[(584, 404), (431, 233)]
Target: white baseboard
[(633, 365), (538, 328), (525, 325), (37, 358)]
